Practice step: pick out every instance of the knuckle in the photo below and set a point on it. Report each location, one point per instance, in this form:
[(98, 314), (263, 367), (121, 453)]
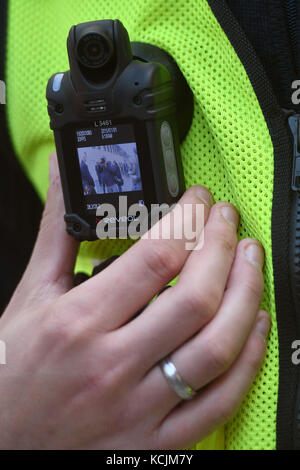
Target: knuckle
[(99, 382), (219, 355), (115, 370), (254, 287), (57, 330), (105, 382), (226, 242), (201, 304), (161, 261)]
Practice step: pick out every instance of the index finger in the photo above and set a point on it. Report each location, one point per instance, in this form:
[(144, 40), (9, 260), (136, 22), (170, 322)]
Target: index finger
[(115, 294)]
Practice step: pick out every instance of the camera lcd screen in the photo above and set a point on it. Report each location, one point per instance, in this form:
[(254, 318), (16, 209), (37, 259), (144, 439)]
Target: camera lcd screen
[(109, 163)]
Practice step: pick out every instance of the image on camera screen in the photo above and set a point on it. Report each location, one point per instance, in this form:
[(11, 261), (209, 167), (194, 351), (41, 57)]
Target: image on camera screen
[(110, 169)]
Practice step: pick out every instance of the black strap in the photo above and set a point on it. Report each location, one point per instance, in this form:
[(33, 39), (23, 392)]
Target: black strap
[(281, 211), (273, 28)]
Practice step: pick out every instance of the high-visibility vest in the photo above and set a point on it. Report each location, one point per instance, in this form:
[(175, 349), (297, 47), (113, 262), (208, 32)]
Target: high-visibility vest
[(238, 146)]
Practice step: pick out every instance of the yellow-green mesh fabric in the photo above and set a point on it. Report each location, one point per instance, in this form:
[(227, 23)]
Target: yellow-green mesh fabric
[(228, 148)]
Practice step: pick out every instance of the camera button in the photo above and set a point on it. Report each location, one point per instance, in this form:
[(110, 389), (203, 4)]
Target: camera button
[(170, 160), (166, 134), (173, 185)]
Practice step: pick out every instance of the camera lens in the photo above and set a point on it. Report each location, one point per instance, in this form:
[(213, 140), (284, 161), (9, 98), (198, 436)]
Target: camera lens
[(94, 50)]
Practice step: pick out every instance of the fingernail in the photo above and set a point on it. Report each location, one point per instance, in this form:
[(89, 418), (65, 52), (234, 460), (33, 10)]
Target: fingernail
[(204, 196), (255, 254), (230, 215), (263, 326)]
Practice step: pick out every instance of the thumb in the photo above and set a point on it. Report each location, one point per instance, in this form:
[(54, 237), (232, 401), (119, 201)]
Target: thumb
[(49, 273), (54, 255)]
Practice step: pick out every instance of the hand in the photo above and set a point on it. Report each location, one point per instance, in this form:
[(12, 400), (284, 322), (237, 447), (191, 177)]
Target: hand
[(82, 372)]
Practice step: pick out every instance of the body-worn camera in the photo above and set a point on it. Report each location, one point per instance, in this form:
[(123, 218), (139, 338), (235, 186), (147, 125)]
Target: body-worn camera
[(118, 117)]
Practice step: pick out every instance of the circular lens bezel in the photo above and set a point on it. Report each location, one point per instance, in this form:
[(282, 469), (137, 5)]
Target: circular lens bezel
[(102, 58)]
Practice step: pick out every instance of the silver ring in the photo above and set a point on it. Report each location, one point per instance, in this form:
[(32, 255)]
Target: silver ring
[(180, 387)]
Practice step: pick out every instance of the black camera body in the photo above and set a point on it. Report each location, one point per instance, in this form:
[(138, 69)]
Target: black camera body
[(117, 125)]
